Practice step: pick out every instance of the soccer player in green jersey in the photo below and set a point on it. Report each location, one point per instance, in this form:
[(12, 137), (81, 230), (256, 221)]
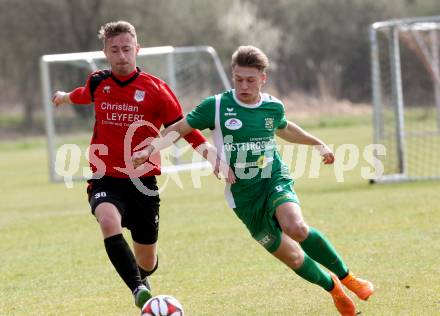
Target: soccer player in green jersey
[(244, 122)]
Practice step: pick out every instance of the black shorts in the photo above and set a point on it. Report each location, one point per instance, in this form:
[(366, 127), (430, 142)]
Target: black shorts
[(139, 212)]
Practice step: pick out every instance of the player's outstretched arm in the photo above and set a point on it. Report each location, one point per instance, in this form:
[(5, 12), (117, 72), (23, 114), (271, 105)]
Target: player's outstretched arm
[(165, 139), (295, 134), (61, 98), (80, 95), (170, 135)]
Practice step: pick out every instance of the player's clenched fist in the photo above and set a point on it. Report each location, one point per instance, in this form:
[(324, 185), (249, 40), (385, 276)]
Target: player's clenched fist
[(326, 153), (139, 157), (328, 158), (60, 98)]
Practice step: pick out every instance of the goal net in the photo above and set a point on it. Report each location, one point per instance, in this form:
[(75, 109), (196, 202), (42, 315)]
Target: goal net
[(193, 73), (406, 97)]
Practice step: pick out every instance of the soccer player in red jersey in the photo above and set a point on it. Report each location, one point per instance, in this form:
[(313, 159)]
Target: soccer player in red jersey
[(129, 105)]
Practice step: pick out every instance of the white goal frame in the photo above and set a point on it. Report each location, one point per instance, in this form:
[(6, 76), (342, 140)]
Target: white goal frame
[(431, 55), (90, 58)]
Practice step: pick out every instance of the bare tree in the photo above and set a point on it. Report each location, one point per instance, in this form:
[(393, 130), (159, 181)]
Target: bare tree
[(29, 28), (320, 46), (83, 20), (38, 27)]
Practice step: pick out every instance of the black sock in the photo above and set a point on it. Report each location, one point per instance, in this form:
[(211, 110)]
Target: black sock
[(145, 273), (123, 260)]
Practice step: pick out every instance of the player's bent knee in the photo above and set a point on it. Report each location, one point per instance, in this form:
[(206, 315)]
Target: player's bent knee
[(297, 231), (109, 223), (108, 217), (148, 263), (293, 260), (297, 260), (303, 231)]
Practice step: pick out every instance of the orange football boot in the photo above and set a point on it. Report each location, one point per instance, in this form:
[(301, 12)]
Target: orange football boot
[(342, 301), (362, 288)]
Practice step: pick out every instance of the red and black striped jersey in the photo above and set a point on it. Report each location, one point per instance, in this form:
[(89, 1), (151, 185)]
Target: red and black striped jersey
[(128, 110)]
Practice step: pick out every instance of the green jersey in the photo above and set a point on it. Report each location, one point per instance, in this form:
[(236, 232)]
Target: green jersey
[(245, 136)]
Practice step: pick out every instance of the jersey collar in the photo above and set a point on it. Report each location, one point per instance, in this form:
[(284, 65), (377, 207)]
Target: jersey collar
[(245, 105), (122, 81)]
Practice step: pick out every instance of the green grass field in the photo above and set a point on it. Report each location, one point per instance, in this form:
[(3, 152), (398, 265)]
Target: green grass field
[(52, 259)]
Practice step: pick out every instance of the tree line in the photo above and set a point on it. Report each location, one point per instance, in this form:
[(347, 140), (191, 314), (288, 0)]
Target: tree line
[(318, 47)]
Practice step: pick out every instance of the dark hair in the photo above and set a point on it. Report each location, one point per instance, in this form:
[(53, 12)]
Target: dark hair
[(250, 56), (112, 29)]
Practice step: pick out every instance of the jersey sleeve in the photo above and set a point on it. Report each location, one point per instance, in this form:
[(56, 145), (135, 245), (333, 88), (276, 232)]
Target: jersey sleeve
[(283, 120), (80, 95), (203, 116), (195, 138), (84, 95), (171, 111)]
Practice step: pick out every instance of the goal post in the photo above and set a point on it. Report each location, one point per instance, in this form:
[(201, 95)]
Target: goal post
[(406, 97), (192, 72)]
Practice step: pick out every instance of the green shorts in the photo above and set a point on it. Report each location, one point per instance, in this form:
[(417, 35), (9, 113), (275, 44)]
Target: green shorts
[(259, 214)]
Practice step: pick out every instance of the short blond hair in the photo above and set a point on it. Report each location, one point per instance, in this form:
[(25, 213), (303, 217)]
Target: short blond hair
[(250, 56), (113, 29)]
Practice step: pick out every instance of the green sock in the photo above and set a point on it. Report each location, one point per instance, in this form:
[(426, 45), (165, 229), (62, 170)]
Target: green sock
[(313, 273), (322, 251)]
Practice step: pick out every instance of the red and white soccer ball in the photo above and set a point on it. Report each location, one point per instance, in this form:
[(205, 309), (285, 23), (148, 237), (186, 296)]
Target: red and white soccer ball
[(162, 305)]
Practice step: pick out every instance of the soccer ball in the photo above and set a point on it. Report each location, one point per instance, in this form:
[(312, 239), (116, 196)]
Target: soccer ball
[(162, 305)]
